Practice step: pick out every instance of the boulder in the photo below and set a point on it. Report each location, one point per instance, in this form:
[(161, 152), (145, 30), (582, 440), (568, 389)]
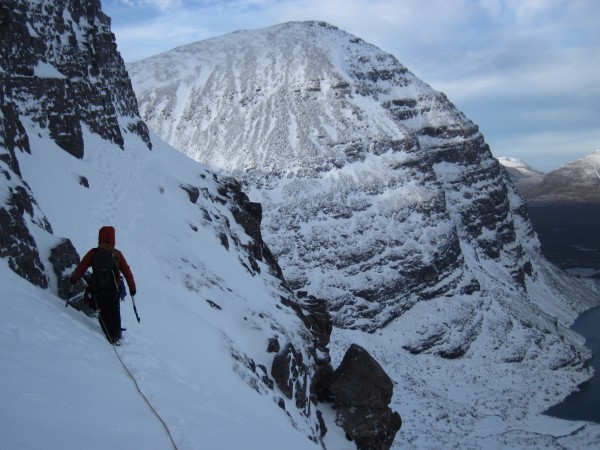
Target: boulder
[(362, 392), (64, 259)]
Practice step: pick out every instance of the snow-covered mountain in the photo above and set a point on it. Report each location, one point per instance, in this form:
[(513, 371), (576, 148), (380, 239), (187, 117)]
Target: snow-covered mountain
[(225, 354), (564, 207), (382, 198), (574, 182), (361, 167), (577, 181), (522, 175)]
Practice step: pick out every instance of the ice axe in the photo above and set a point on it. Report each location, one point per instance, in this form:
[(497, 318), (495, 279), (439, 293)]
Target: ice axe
[(70, 293), (135, 309)]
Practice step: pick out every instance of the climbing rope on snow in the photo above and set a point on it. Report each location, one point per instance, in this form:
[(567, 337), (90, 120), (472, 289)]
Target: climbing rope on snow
[(141, 393)]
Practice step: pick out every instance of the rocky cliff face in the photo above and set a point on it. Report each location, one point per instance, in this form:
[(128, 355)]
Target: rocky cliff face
[(377, 193), (61, 69)]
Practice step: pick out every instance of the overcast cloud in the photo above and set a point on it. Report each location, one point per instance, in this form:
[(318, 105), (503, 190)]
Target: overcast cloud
[(526, 71)]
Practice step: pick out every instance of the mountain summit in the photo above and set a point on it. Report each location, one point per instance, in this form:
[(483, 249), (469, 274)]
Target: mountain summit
[(377, 193), (340, 143), (523, 176)]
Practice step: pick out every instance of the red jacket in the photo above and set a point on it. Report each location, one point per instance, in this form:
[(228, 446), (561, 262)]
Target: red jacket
[(106, 237)]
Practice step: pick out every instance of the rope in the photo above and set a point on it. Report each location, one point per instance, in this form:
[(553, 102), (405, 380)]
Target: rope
[(139, 390)]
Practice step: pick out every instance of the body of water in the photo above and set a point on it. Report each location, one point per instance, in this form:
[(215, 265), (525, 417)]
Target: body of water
[(585, 403)]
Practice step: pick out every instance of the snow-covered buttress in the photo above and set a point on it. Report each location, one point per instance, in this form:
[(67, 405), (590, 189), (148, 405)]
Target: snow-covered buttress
[(377, 193), (381, 197)]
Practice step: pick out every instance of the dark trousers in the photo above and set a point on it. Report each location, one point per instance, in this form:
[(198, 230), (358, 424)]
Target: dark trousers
[(110, 315)]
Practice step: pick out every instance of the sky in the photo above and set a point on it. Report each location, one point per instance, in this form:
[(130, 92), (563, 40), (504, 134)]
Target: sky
[(526, 71)]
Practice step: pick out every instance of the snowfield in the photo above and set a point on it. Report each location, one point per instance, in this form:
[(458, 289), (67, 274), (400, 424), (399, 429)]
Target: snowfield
[(62, 379)]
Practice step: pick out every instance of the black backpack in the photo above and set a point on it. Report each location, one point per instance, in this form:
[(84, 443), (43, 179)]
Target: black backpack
[(105, 266)]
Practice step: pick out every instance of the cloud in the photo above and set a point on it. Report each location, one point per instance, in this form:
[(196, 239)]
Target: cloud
[(162, 5)]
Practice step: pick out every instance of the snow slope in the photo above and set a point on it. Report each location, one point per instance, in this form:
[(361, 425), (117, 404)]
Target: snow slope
[(63, 387), (60, 377)]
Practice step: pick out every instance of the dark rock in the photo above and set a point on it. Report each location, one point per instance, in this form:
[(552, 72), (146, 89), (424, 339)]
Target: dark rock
[(19, 247), (289, 372), (273, 346), (64, 259), (64, 100), (360, 380), (318, 321), (13, 133), (362, 392), (83, 181), (281, 403), (16, 242), (192, 191), (370, 429), (141, 129), (322, 426), (249, 215), (224, 240), (213, 304), (255, 374), (264, 376)]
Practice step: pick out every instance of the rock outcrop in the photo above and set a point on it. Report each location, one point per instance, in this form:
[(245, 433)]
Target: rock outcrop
[(363, 392), (16, 242), (61, 68), (64, 259)]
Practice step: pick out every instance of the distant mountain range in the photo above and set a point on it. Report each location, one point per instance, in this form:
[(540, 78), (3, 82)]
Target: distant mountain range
[(564, 207), (574, 182)]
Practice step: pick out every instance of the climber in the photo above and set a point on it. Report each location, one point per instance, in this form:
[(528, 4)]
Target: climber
[(106, 262)]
